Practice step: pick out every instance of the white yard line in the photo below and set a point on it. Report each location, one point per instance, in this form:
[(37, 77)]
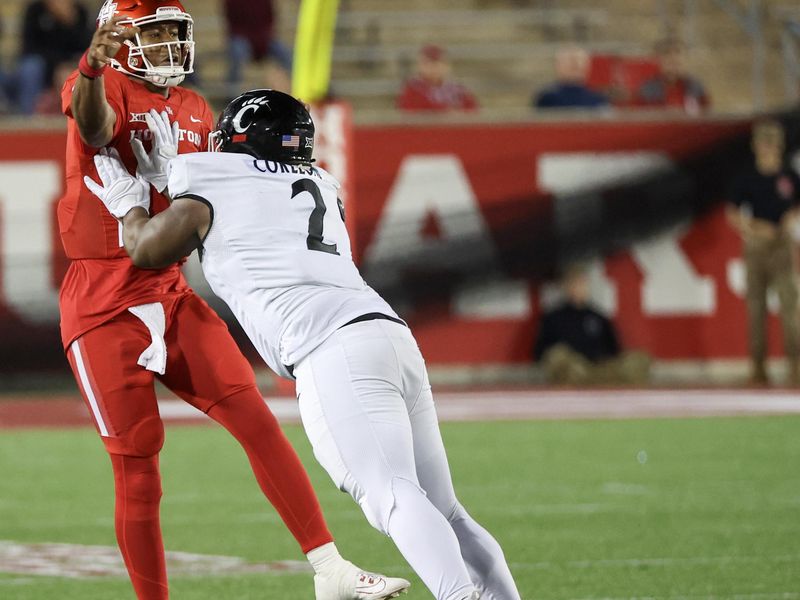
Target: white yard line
[(651, 562), (567, 404), (82, 562), (17, 581), (756, 596)]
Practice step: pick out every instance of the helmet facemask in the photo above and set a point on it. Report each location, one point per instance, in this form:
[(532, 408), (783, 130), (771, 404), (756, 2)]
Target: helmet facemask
[(173, 72), (216, 140)]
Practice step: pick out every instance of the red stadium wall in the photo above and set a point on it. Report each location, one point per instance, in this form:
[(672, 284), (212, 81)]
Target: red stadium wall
[(678, 295)]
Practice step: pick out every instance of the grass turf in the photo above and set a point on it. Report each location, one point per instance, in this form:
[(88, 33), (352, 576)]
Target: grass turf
[(607, 509)]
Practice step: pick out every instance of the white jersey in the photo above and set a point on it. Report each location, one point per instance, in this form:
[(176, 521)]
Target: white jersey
[(277, 251)]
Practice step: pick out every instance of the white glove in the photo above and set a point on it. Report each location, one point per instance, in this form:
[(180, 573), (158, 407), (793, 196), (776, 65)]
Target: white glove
[(120, 191), (154, 166)]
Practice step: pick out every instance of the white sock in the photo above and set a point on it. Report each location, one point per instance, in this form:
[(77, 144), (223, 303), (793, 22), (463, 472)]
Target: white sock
[(326, 559)]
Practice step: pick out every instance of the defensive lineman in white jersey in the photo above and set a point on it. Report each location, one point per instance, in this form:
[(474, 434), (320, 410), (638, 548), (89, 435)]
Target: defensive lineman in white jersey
[(270, 229)]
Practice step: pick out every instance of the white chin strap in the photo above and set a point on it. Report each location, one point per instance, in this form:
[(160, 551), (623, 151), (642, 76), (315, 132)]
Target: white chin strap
[(167, 79), (164, 79)]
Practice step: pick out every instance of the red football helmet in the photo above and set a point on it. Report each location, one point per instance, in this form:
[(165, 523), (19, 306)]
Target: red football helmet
[(131, 59)]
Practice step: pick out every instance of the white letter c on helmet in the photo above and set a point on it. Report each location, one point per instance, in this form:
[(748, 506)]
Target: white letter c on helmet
[(237, 120)]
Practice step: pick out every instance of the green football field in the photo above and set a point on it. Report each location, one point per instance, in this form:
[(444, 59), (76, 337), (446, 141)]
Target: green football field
[(596, 509)]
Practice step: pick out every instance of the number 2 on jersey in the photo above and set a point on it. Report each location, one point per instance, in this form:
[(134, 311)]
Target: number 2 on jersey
[(314, 239)]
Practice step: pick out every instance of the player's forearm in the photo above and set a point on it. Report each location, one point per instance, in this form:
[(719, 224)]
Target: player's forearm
[(146, 250), (92, 113), (133, 225), (155, 243), (90, 108)]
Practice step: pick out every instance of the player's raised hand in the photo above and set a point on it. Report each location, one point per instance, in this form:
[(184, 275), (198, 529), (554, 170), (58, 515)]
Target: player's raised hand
[(121, 192), (107, 40), (154, 167)]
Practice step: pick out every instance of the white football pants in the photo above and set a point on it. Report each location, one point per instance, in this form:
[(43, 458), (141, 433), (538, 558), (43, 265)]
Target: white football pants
[(367, 409)]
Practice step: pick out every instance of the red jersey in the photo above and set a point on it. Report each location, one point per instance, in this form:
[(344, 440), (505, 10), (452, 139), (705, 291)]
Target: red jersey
[(101, 281), (419, 94)]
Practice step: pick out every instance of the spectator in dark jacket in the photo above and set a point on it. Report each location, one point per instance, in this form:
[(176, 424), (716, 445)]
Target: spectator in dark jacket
[(570, 89), (5, 105), (54, 31), (577, 344), (251, 37), (673, 87)]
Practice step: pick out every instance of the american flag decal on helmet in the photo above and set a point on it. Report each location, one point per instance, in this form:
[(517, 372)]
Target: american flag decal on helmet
[(290, 141)]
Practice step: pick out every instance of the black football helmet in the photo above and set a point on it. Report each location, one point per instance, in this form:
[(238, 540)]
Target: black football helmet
[(268, 125)]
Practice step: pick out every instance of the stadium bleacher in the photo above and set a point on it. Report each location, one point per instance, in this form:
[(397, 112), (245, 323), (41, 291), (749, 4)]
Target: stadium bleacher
[(501, 49)]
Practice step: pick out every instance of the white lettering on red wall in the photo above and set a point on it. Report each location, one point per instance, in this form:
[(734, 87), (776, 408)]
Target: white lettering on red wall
[(437, 187), (27, 193)]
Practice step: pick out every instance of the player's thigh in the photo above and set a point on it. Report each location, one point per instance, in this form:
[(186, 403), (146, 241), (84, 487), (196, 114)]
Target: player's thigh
[(433, 470), (117, 391), (353, 409), (204, 364), (430, 458)]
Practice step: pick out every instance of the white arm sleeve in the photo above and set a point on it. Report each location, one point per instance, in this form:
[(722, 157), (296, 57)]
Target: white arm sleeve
[(178, 183)]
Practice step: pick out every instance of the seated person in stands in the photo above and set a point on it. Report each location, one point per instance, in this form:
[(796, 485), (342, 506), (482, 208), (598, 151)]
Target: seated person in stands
[(53, 31), (49, 101), (673, 87), (570, 89), (577, 344), (251, 38), (431, 89), (5, 104)]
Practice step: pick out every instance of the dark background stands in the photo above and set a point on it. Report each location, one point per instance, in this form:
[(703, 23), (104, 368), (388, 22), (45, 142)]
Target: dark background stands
[(54, 32), (251, 37)]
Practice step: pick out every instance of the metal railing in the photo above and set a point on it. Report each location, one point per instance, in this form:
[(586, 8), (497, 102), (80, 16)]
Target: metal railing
[(790, 47), (751, 16), (750, 20)]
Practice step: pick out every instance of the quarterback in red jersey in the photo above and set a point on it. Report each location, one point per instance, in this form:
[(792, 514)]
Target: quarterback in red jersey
[(122, 327)]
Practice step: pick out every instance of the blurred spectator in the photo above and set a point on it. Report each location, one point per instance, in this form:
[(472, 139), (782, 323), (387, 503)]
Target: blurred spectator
[(764, 202), (54, 31), (570, 89), (49, 102), (5, 105), (251, 37), (431, 89), (673, 87), (577, 344)]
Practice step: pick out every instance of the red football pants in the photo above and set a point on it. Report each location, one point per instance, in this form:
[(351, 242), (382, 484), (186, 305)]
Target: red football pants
[(206, 369)]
